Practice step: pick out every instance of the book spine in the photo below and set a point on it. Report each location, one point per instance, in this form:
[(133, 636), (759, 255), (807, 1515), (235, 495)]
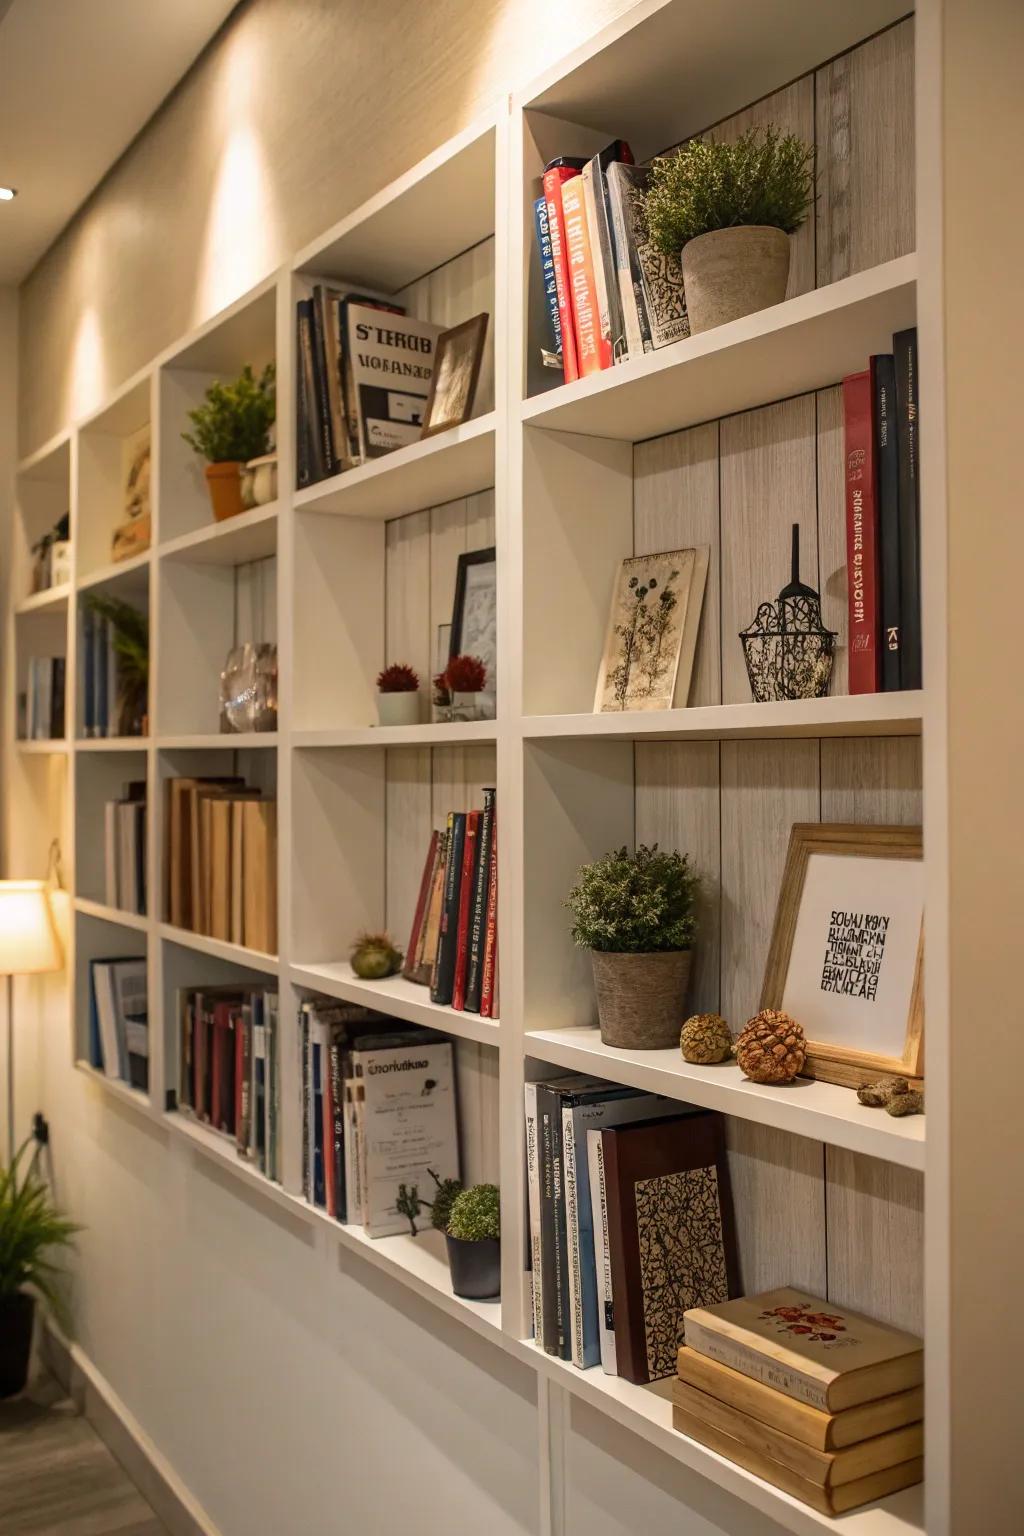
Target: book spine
[(904, 346), (553, 182), (317, 469), (337, 1131), (330, 1194), (245, 1104), (478, 914), (605, 246), (303, 469), (627, 263), (57, 698), (548, 1120), (883, 377), (574, 1267), (594, 353), (602, 1255), (549, 287), (533, 1207), (750, 1362), (444, 971), (273, 1106), (304, 1026), (489, 969), (320, 386), (861, 534), (467, 887), (593, 184), (412, 954), (317, 1084)]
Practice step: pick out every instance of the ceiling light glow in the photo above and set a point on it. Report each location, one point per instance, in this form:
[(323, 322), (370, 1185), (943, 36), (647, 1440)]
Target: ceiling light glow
[(7, 193)]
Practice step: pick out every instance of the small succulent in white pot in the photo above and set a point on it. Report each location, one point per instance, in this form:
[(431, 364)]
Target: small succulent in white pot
[(730, 210), (398, 695)]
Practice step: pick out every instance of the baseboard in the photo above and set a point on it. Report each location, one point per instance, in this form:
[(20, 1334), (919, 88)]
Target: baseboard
[(124, 1437)]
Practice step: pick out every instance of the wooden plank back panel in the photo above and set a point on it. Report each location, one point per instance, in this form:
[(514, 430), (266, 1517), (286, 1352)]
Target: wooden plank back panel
[(454, 292), (779, 1196), (875, 1214), (832, 529)]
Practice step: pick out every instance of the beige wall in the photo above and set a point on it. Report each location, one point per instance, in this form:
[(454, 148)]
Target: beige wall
[(299, 111)]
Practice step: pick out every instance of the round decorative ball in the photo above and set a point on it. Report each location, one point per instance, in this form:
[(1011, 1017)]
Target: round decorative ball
[(771, 1048), (705, 1038)]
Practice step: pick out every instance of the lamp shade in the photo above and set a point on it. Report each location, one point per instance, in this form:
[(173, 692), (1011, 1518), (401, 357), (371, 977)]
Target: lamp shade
[(28, 937)]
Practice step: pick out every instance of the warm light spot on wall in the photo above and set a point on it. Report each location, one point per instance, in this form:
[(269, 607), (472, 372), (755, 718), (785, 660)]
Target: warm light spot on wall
[(240, 242), (87, 375)]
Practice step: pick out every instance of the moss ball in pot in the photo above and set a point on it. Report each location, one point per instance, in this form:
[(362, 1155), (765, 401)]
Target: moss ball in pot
[(473, 1239)]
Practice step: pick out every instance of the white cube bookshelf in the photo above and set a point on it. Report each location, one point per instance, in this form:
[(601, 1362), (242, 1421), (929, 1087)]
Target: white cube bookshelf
[(723, 439)]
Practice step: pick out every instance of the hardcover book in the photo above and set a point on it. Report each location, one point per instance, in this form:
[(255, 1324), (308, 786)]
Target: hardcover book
[(820, 1354), (883, 380), (904, 346), (861, 534), (594, 350), (551, 353), (390, 359), (650, 283), (556, 174)]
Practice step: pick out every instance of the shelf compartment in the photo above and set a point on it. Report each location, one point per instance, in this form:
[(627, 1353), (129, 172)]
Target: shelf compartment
[(100, 779), (105, 914), (396, 996), (803, 344), (122, 1091), (220, 949), (865, 714), (820, 1111), (425, 474), (440, 734), (53, 599), (250, 536), (102, 468), (101, 934), (206, 609)]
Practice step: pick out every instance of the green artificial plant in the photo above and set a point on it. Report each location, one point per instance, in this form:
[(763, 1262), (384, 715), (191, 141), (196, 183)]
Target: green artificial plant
[(410, 1203), (31, 1228), (475, 1215), (234, 424), (765, 177), (130, 628), (635, 903)]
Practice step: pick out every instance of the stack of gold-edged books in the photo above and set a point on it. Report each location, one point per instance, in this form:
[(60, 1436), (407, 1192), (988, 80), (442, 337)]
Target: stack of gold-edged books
[(819, 1401)]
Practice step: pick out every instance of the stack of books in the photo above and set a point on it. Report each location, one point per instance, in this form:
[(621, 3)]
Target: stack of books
[(609, 295), (229, 1067), (817, 1400), (221, 859), (124, 849), (453, 946), (378, 1111), (363, 380), (43, 700), (119, 1020)]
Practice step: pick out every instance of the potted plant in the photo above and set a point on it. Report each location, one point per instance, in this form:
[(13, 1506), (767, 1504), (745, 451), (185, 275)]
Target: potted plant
[(730, 209), (635, 912), (230, 429), (473, 1236), (30, 1229), (398, 695), (374, 957), (130, 640), (410, 1203), (465, 677)]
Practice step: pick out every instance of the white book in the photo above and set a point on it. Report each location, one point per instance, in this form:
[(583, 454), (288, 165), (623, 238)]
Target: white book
[(111, 893), (106, 1015), (408, 1126), (391, 363), (125, 855), (259, 1054), (132, 1005), (533, 1205), (592, 190), (602, 1257)]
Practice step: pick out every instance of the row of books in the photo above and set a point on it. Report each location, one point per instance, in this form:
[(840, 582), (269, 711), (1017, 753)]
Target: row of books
[(378, 1111), (363, 380), (881, 425), (453, 946), (221, 856), (817, 1400), (119, 1019), (44, 713), (609, 294), (124, 849), (101, 685), (229, 1067), (610, 1171)]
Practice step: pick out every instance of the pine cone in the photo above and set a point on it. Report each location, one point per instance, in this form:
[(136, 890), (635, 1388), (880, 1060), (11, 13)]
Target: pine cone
[(705, 1038), (771, 1048)]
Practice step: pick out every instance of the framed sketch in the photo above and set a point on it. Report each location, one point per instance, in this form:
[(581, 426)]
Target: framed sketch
[(474, 629), (846, 951), (652, 631), (454, 378)]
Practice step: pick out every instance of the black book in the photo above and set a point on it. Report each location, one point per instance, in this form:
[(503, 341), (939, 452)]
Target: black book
[(307, 434), (478, 908), (554, 1243), (57, 672), (904, 345), (322, 424), (883, 381), (443, 980)]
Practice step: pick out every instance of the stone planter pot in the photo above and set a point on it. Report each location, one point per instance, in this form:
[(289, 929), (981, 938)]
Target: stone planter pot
[(641, 999), (399, 708), (475, 1267), (733, 272), (16, 1316), (224, 482)]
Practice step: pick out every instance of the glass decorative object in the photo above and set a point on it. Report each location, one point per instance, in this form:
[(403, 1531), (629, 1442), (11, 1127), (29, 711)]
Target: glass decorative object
[(248, 688), (788, 651)]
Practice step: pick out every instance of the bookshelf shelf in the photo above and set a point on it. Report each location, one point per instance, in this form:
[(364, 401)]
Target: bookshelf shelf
[(52, 600), (441, 734), (250, 536), (803, 344), (212, 741), (426, 474), (108, 914), (42, 748), (130, 575), (866, 714), (820, 1111), (123, 1092), (219, 949), (112, 744), (404, 999)]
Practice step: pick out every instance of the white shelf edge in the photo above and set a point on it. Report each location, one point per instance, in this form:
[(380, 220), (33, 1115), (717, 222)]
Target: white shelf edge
[(397, 996), (820, 1111), (326, 495), (220, 949), (42, 602), (202, 540), (107, 914), (866, 714), (123, 1092), (112, 743), (59, 746), (115, 569), (213, 741), (434, 734)]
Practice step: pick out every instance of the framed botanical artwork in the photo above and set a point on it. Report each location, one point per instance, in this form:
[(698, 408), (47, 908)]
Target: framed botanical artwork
[(846, 951), (454, 378), (652, 631), (474, 630)]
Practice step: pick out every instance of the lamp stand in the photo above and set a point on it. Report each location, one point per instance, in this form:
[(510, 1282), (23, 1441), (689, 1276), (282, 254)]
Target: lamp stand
[(10, 1069)]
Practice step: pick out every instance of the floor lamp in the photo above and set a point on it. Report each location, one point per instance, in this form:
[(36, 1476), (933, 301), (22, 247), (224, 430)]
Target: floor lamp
[(28, 946)]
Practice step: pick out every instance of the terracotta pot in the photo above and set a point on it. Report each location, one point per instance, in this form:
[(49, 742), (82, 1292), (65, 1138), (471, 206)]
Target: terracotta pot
[(16, 1316), (399, 708), (641, 999), (224, 482), (475, 1267), (733, 272)]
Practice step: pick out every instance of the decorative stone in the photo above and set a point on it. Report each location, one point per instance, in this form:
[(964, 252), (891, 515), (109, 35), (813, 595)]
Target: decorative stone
[(705, 1038), (909, 1103), (877, 1095), (771, 1048)]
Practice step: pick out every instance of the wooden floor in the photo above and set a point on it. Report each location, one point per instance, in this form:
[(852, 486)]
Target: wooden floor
[(57, 1478)]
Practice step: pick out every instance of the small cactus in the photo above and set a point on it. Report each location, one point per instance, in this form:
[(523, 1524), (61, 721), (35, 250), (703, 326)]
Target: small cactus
[(374, 957)]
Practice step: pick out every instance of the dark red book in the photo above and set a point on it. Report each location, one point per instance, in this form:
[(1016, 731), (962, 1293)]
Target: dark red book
[(860, 473), (555, 176), (409, 965), (469, 857), (489, 977), (221, 1093), (239, 1079)]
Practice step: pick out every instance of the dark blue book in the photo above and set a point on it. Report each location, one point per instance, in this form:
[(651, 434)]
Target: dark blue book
[(319, 1186), (552, 319), (883, 380), (89, 687), (443, 979)]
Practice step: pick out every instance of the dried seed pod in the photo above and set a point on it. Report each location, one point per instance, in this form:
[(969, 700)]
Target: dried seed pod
[(877, 1095), (909, 1103), (771, 1048), (705, 1038)]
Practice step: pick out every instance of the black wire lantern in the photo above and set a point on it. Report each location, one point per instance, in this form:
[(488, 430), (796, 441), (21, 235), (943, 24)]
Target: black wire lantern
[(787, 649)]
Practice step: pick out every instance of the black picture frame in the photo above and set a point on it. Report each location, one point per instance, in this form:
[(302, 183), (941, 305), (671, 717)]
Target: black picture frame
[(474, 557)]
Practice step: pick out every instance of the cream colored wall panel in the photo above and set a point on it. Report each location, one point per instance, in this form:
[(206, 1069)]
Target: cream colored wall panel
[(876, 1238), (409, 823), (675, 506), (872, 779), (778, 1191), (832, 583), (407, 597)]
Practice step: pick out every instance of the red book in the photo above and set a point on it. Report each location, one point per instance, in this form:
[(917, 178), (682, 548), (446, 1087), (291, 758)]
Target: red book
[(489, 982), (239, 1077), (593, 348), (466, 885), (554, 180), (862, 534), (426, 881)]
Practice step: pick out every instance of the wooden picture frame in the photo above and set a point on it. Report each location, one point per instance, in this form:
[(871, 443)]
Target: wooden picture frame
[(453, 380), (656, 674), (835, 1059)]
